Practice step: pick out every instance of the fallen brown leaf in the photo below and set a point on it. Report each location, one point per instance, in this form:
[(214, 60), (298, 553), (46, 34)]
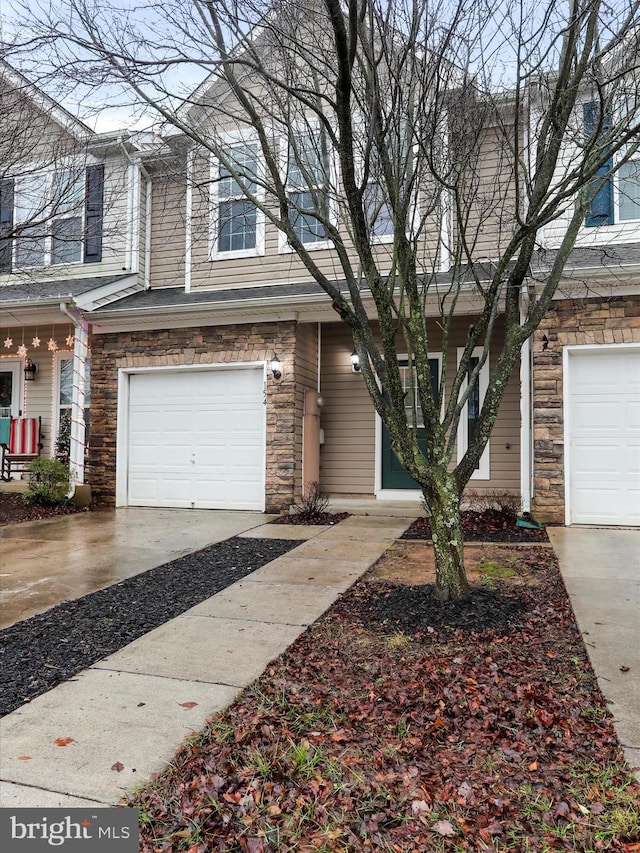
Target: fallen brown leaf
[(444, 828), (63, 741)]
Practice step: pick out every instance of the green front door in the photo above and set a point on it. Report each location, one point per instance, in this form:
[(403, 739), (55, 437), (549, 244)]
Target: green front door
[(393, 474)]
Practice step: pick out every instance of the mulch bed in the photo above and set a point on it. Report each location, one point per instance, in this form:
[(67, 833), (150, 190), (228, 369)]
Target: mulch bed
[(14, 508), (487, 526), (396, 723), (311, 518), (44, 650)]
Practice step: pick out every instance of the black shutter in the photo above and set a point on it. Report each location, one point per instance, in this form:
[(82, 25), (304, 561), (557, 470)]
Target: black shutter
[(94, 200), (6, 222), (600, 210)]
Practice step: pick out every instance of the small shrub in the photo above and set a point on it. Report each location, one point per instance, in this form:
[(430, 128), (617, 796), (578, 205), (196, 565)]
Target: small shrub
[(315, 502), (502, 501), (48, 482)]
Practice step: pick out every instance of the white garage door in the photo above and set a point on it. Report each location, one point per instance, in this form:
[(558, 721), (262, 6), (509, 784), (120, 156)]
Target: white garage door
[(196, 439), (604, 436)]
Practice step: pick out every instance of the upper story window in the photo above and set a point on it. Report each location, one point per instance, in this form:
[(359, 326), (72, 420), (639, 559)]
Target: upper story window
[(618, 199), (238, 226), (378, 211), (306, 186), (51, 218)]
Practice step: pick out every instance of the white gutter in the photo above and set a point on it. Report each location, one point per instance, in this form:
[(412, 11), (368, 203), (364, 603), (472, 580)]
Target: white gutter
[(78, 426), (526, 448), (187, 225)]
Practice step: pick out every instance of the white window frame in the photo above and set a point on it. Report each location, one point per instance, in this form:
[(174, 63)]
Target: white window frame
[(483, 472), (381, 239), (47, 225), (59, 357), (235, 139), (298, 129), (15, 366), (635, 159)]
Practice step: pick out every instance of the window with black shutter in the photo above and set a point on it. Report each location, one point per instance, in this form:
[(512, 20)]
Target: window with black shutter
[(6, 223), (94, 201)]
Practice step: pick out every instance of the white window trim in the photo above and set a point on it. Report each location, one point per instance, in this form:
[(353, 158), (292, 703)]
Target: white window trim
[(413, 219), (395, 494), (284, 247), (75, 163), (58, 358), (617, 220), (483, 471), (15, 366), (215, 254)]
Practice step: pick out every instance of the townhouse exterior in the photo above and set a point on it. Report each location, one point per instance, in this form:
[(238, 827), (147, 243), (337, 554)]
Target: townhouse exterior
[(214, 373)]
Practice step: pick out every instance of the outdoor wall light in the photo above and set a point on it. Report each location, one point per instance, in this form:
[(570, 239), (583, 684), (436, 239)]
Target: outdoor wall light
[(30, 370), (355, 362), (276, 367)]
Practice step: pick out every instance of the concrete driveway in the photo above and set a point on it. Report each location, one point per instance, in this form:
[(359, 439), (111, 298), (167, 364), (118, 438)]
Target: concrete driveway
[(601, 570), (45, 562)]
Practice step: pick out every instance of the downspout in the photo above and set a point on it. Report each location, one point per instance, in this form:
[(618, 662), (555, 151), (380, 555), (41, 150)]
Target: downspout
[(147, 232), (187, 225), (78, 426), (526, 438), (525, 411)]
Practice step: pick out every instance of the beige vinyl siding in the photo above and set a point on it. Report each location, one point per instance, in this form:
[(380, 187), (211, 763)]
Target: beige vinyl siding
[(274, 265), (491, 198), (168, 236), (306, 372), (117, 233), (347, 459), (28, 134), (37, 396)]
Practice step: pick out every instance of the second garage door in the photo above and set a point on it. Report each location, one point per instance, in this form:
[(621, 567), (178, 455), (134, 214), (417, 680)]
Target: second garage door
[(196, 439), (604, 436)]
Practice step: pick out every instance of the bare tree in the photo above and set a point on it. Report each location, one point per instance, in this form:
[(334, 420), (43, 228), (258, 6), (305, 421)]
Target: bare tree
[(428, 144)]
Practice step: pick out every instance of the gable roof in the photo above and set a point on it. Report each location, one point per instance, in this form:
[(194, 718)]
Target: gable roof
[(45, 103)]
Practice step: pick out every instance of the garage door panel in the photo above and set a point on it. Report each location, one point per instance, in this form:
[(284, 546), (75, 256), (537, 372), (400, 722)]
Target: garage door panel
[(197, 439), (604, 440)]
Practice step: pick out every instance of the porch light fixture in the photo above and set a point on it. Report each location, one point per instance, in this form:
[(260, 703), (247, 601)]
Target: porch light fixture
[(276, 367), (30, 370), (355, 362)]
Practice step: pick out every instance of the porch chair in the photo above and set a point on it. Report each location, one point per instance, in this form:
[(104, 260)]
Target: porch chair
[(23, 446)]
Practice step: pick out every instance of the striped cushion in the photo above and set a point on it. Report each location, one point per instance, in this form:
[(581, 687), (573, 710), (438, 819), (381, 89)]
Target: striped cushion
[(24, 436)]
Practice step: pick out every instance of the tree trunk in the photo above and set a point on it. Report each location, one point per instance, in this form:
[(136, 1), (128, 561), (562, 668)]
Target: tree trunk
[(446, 531)]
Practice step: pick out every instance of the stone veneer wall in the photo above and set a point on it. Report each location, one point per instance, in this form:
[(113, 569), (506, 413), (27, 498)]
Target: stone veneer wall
[(202, 345), (614, 320)]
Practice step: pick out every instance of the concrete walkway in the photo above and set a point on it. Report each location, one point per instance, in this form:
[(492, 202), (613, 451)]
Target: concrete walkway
[(601, 570), (133, 708), (45, 562)]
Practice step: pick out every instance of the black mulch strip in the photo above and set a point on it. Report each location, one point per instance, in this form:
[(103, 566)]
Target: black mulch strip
[(311, 518), (44, 650), (487, 526), (418, 611)]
